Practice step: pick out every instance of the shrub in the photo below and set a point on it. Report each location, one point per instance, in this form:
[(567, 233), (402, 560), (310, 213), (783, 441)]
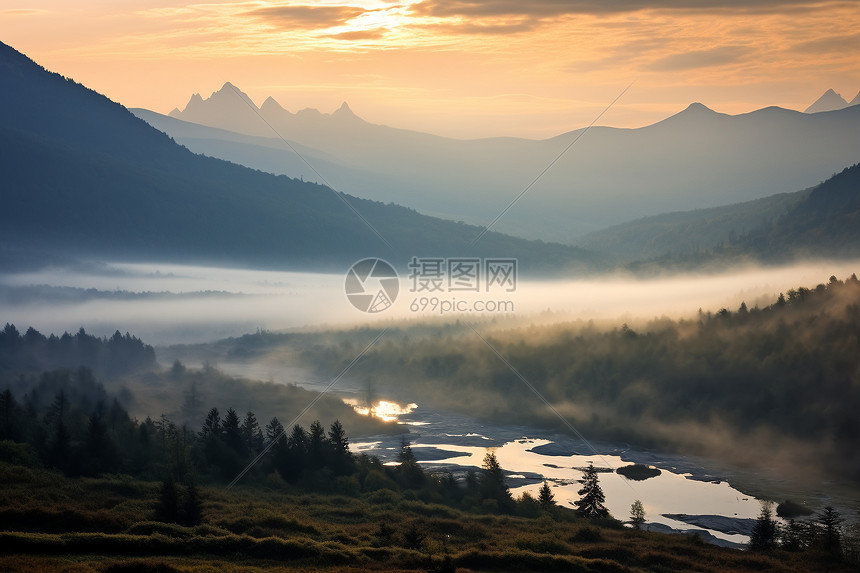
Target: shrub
[(587, 534)]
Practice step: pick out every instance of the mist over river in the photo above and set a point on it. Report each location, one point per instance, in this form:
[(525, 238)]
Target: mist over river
[(170, 304)]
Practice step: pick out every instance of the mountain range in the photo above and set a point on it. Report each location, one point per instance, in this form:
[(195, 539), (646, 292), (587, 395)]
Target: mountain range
[(83, 177), (831, 101), (603, 176)]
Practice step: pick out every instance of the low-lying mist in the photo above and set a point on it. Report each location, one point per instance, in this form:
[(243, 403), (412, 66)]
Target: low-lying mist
[(170, 304)]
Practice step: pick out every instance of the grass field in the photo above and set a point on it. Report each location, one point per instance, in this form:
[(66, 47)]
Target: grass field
[(51, 523)]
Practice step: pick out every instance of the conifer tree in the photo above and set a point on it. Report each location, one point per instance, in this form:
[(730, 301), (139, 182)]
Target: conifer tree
[(545, 496), (591, 502)]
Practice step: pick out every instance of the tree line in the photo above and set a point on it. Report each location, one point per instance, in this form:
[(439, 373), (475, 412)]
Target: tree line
[(824, 533), (35, 352), (69, 423)]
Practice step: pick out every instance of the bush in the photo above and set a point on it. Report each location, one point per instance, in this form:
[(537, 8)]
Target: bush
[(587, 534), (17, 453), (544, 545)]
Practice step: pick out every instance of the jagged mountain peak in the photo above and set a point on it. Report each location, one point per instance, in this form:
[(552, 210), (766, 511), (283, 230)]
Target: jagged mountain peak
[(829, 101)]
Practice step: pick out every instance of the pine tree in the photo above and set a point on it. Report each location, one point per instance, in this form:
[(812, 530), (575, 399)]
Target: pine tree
[(251, 434), (342, 461), (764, 533), (274, 430), (8, 411), (212, 425), (232, 432), (291, 457), (192, 507), (795, 536), (168, 502), (829, 525), (493, 485), (410, 475), (591, 503), (546, 497), (637, 514), (317, 445)]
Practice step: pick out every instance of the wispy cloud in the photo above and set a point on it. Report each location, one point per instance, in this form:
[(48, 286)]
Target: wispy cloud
[(23, 12), (846, 43), (494, 28), (552, 8), (718, 56), (307, 17), (355, 35)]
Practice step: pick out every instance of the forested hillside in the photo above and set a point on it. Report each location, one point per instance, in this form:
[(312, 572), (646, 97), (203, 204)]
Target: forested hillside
[(774, 386), (821, 222)]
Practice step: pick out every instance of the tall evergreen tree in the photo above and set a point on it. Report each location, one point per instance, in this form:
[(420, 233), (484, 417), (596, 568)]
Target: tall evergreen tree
[(192, 506), (168, 501), (409, 473), (546, 497), (493, 485), (59, 453), (100, 455), (591, 503), (8, 413), (765, 531), (342, 461), (212, 425), (295, 456), (232, 432), (274, 430), (251, 433), (317, 446), (829, 535)]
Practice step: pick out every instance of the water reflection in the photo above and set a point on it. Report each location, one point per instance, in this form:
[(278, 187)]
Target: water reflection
[(665, 494)]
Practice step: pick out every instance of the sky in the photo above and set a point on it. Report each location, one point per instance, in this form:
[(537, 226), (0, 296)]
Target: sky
[(459, 68)]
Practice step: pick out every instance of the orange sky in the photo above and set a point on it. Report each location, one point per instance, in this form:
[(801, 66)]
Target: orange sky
[(463, 68)]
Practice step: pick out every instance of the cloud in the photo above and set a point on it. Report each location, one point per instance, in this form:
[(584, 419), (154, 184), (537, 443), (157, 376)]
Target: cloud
[(701, 58), (23, 12), (307, 17), (847, 43), (355, 35), (553, 8), (486, 28)]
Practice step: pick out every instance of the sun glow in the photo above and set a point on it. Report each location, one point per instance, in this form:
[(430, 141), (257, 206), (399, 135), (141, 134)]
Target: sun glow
[(383, 409)]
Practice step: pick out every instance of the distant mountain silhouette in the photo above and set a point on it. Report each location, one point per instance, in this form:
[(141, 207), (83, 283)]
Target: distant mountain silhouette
[(687, 233), (697, 158), (82, 176), (826, 223), (829, 101), (820, 222)]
